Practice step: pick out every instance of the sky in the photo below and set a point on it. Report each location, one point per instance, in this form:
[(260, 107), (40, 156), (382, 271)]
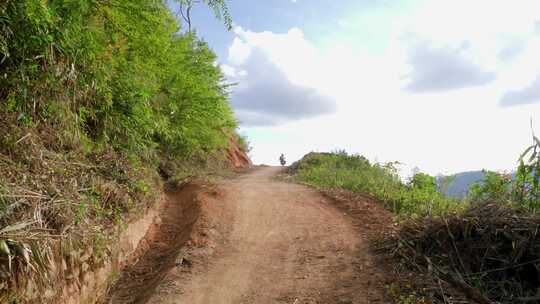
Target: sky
[(445, 86)]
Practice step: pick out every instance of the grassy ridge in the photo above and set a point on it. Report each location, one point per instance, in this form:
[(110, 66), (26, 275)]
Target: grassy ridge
[(417, 198)]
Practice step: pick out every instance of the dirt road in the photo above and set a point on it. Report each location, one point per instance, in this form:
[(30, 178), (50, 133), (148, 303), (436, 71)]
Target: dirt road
[(279, 243)]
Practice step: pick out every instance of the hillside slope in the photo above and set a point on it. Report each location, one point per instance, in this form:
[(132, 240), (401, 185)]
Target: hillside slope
[(462, 182), (101, 102)]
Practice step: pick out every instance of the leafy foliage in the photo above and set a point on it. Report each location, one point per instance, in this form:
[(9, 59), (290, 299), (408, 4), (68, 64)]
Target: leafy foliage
[(494, 187), (527, 183), (355, 173), (94, 95), (243, 143), (522, 190), (219, 7), (136, 84)]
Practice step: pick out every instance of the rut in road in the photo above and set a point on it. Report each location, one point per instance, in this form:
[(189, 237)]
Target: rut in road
[(283, 243)]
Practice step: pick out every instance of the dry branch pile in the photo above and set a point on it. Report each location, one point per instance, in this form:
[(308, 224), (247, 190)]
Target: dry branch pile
[(489, 254)]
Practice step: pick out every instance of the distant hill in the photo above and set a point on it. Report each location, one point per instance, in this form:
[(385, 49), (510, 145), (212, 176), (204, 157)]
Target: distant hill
[(463, 181), (459, 187)]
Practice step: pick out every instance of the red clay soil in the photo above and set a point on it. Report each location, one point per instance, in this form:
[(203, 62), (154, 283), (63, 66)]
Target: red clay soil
[(260, 240), (372, 221), (156, 253), (237, 156)]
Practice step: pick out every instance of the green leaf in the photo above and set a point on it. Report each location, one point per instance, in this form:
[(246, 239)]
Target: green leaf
[(526, 152), (533, 156)]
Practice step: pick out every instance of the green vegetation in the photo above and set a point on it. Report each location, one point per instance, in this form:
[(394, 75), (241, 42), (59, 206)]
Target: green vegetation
[(421, 196), (243, 142), (493, 187), (111, 72), (221, 11), (522, 191), (418, 197), (97, 98), (486, 243), (493, 242)]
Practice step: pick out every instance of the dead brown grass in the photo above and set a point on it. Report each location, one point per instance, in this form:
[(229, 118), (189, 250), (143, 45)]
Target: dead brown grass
[(56, 201), (489, 253)]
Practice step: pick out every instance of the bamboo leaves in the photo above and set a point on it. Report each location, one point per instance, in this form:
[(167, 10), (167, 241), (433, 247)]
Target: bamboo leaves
[(114, 86), (219, 7), (527, 184)]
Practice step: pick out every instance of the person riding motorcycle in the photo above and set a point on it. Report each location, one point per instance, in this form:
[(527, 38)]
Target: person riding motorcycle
[(282, 160)]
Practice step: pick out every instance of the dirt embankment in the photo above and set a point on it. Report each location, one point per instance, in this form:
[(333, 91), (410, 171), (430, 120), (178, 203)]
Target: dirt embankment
[(237, 156), (149, 248), (177, 224)]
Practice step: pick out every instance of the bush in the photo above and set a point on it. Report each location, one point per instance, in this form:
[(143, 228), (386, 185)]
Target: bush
[(116, 72), (490, 251), (355, 173), (493, 187), (521, 189)]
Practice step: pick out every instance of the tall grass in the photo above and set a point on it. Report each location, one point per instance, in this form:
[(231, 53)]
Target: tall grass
[(417, 198)]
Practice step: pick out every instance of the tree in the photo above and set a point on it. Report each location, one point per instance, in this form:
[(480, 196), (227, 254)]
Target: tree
[(219, 7), (494, 187), (424, 182)]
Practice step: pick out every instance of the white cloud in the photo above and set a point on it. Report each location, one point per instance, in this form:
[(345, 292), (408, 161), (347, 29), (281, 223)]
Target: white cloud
[(525, 95), (481, 21), (440, 131), (270, 96), (232, 72), (228, 70), (239, 51), (444, 69)]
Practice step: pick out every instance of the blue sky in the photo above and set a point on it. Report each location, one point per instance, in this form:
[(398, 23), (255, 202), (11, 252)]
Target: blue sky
[(445, 86), (315, 17)]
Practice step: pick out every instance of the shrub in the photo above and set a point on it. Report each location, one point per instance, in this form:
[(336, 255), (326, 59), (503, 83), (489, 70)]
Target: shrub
[(355, 173), (116, 72), (522, 188)]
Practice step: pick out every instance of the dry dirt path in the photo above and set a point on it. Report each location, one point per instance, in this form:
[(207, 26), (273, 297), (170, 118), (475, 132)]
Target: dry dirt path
[(274, 242)]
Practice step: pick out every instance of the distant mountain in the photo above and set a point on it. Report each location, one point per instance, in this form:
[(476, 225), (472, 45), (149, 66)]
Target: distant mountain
[(462, 182)]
